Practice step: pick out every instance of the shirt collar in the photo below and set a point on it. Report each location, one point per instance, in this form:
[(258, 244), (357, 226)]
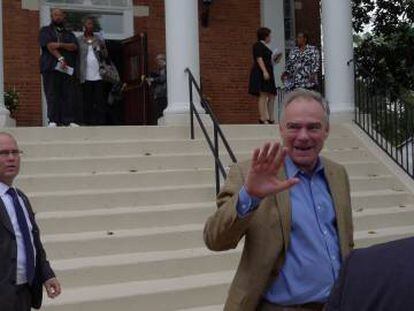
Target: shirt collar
[(292, 170), (3, 188)]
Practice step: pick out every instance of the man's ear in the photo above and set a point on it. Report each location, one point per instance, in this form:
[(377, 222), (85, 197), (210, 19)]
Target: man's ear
[(327, 130)]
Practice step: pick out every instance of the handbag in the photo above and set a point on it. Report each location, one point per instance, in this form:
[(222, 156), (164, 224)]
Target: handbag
[(108, 72)]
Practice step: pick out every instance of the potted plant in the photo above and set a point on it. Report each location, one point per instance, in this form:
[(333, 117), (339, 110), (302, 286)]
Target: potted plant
[(11, 100)]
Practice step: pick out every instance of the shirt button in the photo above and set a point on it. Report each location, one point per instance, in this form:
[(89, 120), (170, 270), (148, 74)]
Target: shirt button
[(319, 207), (333, 258), (325, 232)]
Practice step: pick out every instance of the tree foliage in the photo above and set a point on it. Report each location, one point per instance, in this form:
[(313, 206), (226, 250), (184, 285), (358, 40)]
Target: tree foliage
[(384, 64), (386, 51)]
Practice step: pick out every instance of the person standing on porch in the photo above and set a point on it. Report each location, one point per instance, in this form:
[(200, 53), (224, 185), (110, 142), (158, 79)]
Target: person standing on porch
[(92, 49), (158, 81), (57, 65), (302, 65), (262, 80)]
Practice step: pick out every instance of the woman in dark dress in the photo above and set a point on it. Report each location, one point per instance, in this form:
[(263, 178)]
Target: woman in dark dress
[(262, 81)]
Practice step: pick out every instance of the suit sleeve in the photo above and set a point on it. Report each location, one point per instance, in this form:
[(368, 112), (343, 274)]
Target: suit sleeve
[(224, 229)]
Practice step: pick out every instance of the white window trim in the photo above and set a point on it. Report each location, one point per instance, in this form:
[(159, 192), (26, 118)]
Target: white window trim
[(127, 12)]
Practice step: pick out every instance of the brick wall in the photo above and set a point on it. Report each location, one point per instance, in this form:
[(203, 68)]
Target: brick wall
[(21, 60), (225, 53)]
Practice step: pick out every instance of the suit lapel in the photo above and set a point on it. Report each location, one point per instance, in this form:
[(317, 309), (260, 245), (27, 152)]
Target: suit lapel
[(4, 218), (336, 188), (285, 209)]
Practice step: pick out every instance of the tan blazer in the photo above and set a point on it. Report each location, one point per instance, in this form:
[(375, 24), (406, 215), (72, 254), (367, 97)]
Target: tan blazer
[(267, 232)]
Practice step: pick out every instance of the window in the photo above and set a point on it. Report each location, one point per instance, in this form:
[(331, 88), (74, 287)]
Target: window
[(89, 3), (289, 13)]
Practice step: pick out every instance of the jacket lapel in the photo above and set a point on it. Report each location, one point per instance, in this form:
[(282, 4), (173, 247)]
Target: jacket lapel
[(336, 188), (4, 218)]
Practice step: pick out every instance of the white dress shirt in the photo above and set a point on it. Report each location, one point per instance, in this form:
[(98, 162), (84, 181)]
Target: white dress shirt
[(21, 253)]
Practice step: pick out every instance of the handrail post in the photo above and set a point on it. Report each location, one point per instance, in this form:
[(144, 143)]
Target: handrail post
[(190, 87), (216, 154), (217, 132)]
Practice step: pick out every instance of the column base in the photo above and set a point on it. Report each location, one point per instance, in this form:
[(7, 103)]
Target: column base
[(5, 119), (172, 119), (341, 112)]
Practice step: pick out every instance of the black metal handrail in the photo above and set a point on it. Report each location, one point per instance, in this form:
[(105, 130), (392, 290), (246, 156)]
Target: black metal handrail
[(386, 118), (217, 132)]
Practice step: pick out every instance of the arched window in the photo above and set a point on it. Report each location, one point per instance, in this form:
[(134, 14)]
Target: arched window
[(115, 19)]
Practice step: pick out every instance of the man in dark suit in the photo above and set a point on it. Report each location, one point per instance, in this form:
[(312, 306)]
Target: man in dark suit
[(23, 264), (377, 278)]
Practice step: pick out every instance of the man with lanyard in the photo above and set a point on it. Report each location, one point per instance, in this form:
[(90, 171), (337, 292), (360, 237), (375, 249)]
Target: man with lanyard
[(295, 240), (57, 64)]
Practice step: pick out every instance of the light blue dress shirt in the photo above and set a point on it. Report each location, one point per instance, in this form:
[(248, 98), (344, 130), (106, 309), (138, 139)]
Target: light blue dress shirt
[(313, 258)]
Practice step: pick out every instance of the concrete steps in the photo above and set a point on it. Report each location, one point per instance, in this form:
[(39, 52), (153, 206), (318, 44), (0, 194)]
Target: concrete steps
[(121, 210)]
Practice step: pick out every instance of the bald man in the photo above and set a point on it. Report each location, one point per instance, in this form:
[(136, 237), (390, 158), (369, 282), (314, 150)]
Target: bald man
[(23, 264)]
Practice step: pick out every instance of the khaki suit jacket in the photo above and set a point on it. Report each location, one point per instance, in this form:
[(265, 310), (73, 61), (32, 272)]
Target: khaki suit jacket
[(266, 232)]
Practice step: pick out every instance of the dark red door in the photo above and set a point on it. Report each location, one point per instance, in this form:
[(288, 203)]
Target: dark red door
[(137, 108)]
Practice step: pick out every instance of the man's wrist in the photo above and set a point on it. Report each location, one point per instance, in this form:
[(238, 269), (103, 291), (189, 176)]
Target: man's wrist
[(251, 193), (61, 59), (246, 203)]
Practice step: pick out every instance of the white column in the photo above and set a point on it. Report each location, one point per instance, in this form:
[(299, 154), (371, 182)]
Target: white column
[(182, 44), (5, 120), (272, 14), (338, 50)]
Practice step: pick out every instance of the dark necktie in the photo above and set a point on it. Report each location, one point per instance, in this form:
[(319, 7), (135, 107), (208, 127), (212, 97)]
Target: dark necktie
[(24, 228)]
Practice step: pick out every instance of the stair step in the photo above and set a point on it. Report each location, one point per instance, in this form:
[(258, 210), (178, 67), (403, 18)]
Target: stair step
[(123, 218), (108, 199), (94, 133), (142, 179), (137, 163), (205, 308), (381, 235), (380, 198), (373, 218), (379, 182), (114, 198), (143, 266), (86, 244), (64, 149), (131, 163), (165, 294)]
